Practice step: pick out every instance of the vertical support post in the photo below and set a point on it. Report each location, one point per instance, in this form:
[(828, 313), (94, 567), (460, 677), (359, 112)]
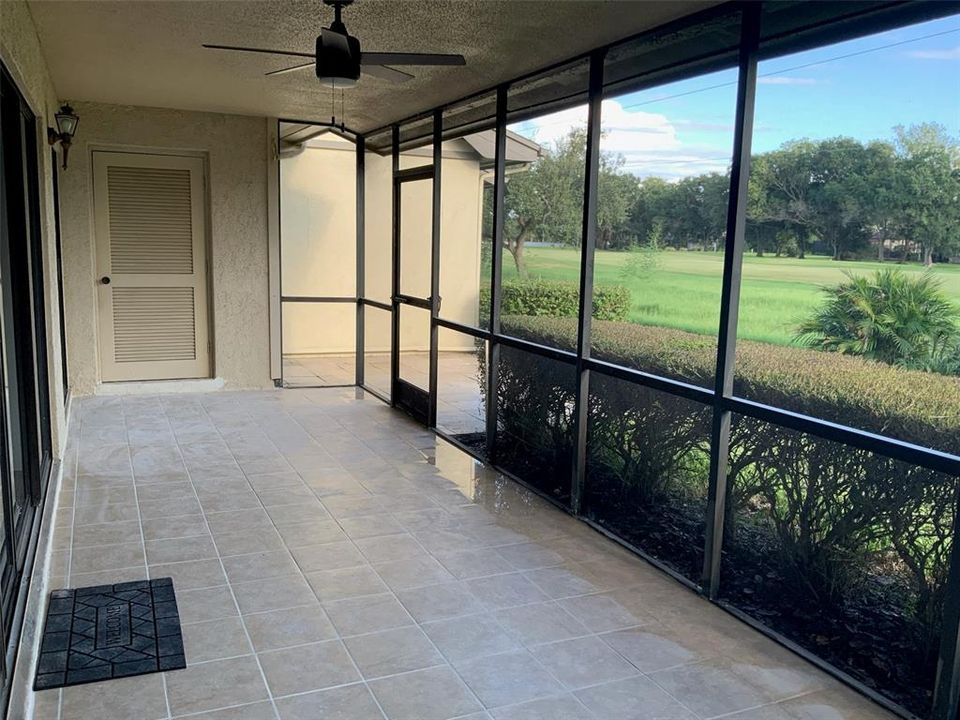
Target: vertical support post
[(361, 259), (946, 693), (588, 245), (395, 271), (496, 269), (273, 250), (730, 296), (435, 267)]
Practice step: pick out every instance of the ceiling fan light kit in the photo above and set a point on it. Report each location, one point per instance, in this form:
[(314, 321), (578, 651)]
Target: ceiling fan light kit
[(338, 60)]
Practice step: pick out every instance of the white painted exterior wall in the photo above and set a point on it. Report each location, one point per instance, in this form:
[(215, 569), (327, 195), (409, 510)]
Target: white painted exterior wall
[(318, 246)]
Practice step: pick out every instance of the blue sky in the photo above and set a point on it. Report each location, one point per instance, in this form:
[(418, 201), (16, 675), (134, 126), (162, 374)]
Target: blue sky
[(861, 88)]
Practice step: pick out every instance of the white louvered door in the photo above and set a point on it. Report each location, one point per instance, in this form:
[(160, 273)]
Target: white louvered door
[(149, 217)]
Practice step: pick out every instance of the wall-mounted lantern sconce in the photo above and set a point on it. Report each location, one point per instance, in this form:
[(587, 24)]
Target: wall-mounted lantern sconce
[(67, 121)]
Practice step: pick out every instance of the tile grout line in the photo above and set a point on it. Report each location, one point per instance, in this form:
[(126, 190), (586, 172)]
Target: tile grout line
[(423, 633), (73, 515), (490, 612), (283, 414), (223, 569), (220, 563), (303, 575), (392, 592), (762, 705), (143, 543)]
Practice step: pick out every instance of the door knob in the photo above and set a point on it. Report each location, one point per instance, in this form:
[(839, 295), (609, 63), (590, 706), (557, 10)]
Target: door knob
[(104, 280)]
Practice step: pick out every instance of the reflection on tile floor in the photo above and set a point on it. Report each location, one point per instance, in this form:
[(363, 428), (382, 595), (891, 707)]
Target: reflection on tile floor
[(460, 404), (334, 560), (319, 370)]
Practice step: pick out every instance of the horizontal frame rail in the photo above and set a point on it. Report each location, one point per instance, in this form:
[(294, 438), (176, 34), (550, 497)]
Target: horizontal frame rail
[(376, 304), (862, 439), (720, 396), (317, 299), (479, 333), (423, 172), (403, 299), (655, 382)]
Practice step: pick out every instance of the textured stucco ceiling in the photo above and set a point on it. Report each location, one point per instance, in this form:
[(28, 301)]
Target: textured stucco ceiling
[(148, 53)]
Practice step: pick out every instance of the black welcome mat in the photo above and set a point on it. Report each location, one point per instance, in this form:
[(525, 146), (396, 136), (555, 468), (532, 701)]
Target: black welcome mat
[(110, 631)]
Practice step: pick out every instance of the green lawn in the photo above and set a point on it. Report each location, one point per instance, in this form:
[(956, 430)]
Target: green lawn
[(683, 291)]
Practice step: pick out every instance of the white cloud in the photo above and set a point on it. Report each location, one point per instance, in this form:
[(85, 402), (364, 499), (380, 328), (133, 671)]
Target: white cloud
[(784, 80), (948, 54), (624, 130), (691, 160), (650, 143)]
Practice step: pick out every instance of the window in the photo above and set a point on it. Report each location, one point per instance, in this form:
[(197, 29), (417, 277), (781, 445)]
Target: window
[(662, 211), (25, 420), (648, 457), (466, 214), (318, 256), (535, 402), (842, 551), (378, 219), (376, 350), (543, 205), (849, 304), (462, 388)]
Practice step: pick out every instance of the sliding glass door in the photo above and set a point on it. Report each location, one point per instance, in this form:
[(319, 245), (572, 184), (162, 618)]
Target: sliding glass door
[(25, 446)]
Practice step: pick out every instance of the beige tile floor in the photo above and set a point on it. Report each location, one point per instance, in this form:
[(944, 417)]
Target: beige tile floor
[(319, 370), (333, 560), (460, 405)]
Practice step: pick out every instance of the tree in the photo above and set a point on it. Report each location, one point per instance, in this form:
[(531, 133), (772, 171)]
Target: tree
[(779, 194), (836, 192), (836, 214), (875, 188), (617, 193), (545, 202), (650, 208), (929, 188), (700, 210)]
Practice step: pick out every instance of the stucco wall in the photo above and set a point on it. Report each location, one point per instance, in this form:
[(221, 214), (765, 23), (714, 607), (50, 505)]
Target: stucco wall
[(21, 54), (318, 256), (235, 151), (318, 232)]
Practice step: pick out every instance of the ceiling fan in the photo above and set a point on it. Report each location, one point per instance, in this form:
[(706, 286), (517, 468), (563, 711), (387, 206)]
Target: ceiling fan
[(339, 61)]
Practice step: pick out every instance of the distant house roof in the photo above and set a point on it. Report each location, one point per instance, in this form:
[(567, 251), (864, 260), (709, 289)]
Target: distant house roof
[(481, 145), (519, 148)]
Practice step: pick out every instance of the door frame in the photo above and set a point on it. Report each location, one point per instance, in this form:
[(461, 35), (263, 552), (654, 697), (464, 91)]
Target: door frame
[(418, 402), (28, 286), (201, 219)]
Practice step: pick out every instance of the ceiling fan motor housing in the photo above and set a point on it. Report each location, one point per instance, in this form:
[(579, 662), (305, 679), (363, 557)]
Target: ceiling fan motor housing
[(338, 58)]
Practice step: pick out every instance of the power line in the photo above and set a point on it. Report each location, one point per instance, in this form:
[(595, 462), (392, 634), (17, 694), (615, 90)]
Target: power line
[(774, 73)]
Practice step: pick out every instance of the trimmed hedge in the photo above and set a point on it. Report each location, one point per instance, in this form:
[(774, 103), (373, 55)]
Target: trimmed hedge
[(911, 405), (554, 298), (842, 550)]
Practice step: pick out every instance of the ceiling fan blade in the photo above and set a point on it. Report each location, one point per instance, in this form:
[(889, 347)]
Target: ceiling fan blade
[(302, 66), (386, 73), (262, 51), (375, 58)]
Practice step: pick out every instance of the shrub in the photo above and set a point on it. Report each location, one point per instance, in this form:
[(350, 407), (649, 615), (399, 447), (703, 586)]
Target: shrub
[(648, 455), (919, 407), (891, 317), (534, 427), (834, 518), (557, 299)]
